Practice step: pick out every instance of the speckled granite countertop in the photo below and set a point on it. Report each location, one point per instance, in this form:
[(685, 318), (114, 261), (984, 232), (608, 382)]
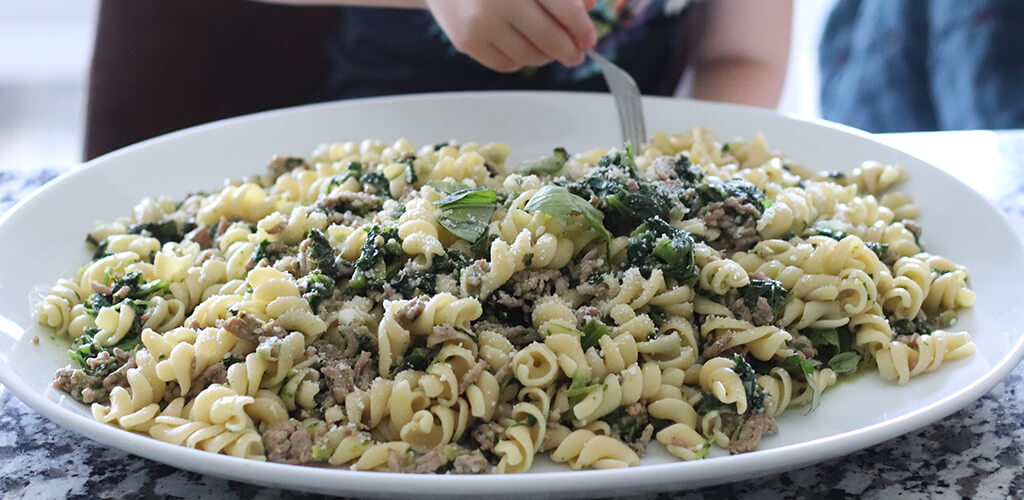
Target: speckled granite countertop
[(977, 452)]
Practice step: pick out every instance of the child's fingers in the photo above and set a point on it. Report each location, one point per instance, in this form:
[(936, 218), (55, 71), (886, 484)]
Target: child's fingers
[(573, 16), (521, 49), (493, 57), (548, 34)]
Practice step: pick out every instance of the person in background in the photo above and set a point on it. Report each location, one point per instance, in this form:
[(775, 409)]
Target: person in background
[(162, 66), (913, 65)]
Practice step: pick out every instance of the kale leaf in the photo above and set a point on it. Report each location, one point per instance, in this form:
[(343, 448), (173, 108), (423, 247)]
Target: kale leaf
[(755, 396), (741, 190), (164, 231), (322, 253), (417, 359), (880, 249), (625, 198), (379, 261), (656, 244), (628, 428), (771, 290), (687, 172), (911, 326), (412, 283), (709, 403), (316, 286), (376, 184)]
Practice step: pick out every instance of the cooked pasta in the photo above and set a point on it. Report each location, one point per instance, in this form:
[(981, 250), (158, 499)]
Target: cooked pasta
[(379, 307)]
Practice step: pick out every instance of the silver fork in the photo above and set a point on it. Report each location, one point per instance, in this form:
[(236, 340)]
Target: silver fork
[(627, 100)]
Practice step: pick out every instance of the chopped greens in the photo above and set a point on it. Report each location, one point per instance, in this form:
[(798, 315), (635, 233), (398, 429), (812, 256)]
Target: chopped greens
[(626, 427), (317, 286), (880, 249), (164, 231), (321, 252), (592, 333), (658, 245), (379, 259), (578, 388), (417, 359), (755, 396), (377, 184), (772, 291), (709, 403)]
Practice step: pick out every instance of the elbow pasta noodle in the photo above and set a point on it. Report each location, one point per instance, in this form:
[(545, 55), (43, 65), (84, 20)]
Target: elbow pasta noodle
[(335, 311)]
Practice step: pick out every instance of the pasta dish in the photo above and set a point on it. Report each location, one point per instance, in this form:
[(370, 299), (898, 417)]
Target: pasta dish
[(434, 310)]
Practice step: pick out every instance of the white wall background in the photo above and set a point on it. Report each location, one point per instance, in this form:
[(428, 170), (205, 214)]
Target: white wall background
[(46, 45), (45, 48)]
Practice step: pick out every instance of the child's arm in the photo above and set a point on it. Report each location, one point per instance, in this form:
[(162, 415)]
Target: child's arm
[(744, 53), (504, 35)]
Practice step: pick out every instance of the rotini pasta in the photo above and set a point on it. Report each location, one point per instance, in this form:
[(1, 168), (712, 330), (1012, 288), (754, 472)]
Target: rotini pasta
[(383, 307)]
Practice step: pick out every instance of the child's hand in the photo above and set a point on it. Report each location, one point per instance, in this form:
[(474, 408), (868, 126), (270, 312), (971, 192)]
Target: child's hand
[(506, 35)]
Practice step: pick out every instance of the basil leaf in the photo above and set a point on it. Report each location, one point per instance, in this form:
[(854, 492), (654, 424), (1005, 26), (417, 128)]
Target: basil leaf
[(799, 366), (823, 337), (469, 196), (467, 212), (545, 165), (447, 187), (844, 362), (558, 202)]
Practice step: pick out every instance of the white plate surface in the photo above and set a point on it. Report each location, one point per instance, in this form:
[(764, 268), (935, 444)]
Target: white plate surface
[(43, 241)]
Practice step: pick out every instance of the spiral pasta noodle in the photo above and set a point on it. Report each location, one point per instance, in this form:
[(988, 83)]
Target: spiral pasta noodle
[(383, 307)]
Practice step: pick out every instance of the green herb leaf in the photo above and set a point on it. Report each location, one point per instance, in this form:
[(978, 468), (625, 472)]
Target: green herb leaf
[(755, 396), (706, 447), (467, 212), (823, 337), (545, 165), (322, 253), (798, 366), (656, 244), (844, 362), (321, 452), (448, 187), (558, 202), (709, 403), (164, 231), (471, 196), (578, 388), (628, 428), (592, 333), (772, 291)]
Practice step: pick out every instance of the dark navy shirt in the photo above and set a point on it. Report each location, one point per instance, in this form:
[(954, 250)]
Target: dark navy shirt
[(379, 51), (907, 65)]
